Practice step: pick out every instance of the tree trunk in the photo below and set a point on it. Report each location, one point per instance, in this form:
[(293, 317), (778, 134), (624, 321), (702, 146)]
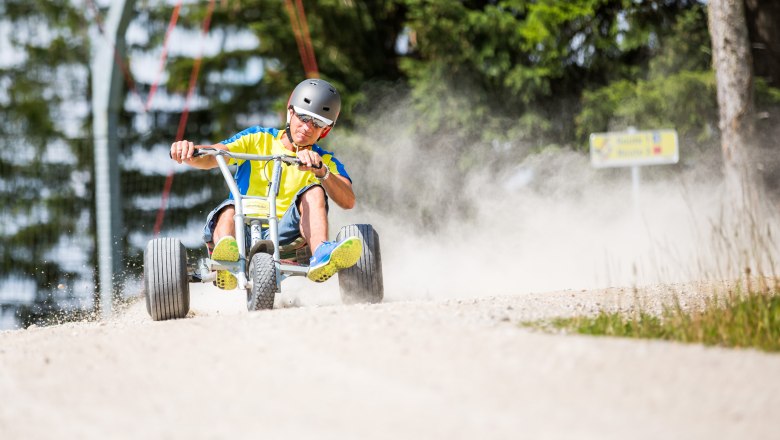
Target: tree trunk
[(747, 216), (732, 61)]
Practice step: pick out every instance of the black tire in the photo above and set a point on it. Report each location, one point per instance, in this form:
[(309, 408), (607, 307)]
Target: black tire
[(262, 272), (166, 284), (362, 283)]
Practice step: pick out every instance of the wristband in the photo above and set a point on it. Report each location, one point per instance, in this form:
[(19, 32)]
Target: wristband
[(327, 173)]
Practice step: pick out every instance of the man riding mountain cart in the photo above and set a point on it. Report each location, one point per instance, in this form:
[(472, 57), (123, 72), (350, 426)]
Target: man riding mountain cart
[(303, 197), (272, 211)]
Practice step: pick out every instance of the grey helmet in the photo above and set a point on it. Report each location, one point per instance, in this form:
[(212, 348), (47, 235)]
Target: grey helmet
[(318, 98)]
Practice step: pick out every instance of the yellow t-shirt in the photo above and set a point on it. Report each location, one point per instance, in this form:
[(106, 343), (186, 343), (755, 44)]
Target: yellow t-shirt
[(252, 177)]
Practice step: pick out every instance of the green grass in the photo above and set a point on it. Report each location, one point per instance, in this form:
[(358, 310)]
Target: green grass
[(749, 320)]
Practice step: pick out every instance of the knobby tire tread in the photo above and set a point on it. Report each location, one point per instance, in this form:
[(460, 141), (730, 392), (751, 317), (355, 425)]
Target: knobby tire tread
[(264, 287)]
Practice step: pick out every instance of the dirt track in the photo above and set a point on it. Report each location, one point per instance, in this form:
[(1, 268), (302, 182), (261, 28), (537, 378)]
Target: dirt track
[(403, 369)]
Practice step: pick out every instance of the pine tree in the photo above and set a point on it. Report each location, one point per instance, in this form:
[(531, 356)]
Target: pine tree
[(45, 161)]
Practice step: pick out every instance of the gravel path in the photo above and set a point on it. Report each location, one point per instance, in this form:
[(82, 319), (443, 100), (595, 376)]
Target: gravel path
[(457, 368)]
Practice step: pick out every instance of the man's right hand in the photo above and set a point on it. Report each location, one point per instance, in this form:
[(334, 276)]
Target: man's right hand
[(181, 151)]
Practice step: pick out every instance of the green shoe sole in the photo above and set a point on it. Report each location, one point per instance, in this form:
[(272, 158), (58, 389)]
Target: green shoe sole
[(225, 250), (226, 280)]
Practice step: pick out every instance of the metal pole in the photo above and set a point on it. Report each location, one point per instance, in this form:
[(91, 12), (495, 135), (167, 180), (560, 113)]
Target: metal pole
[(107, 100), (635, 181)]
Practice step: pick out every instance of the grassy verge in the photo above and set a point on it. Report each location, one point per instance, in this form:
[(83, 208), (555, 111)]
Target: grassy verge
[(737, 320)]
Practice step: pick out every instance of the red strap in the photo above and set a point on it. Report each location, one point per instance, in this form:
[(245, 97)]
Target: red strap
[(163, 56), (300, 28), (183, 120), (124, 67)]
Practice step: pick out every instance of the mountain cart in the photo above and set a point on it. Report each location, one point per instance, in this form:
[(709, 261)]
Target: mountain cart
[(262, 267)]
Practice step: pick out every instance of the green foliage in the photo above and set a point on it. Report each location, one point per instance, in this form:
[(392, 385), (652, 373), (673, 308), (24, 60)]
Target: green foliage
[(472, 61), (354, 44), (685, 101), (675, 89), (766, 96), (749, 320), (686, 45), (465, 53), (614, 324)]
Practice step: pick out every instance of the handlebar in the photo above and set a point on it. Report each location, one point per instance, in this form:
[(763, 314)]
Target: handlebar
[(195, 152), (209, 151)]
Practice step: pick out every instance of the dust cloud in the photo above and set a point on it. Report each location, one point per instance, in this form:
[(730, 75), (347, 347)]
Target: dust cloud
[(547, 221)]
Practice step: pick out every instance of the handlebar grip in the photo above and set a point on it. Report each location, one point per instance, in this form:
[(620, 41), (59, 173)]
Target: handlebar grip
[(195, 153), (316, 167), (295, 161)]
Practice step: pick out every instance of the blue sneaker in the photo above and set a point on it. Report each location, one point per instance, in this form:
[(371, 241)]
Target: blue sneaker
[(330, 257)]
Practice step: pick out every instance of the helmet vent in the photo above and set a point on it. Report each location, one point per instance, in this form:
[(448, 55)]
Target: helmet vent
[(327, 109), (307, 100)]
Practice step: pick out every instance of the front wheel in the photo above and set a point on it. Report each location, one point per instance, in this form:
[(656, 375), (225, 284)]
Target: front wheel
[(166, 284), (362, 283), (262, 272)]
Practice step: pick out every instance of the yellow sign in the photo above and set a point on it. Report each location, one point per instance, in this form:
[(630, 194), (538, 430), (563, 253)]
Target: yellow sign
[(621, 149)]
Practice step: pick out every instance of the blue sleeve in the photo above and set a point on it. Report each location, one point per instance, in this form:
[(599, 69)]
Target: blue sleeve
[(328, 156)]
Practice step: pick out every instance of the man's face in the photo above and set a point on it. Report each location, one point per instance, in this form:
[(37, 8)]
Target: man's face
[(304, 133)]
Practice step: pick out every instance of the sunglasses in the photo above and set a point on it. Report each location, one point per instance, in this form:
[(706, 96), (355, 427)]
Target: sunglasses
[(308, 118)]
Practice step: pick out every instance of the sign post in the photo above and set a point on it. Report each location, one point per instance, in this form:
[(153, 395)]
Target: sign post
[(632, 148)]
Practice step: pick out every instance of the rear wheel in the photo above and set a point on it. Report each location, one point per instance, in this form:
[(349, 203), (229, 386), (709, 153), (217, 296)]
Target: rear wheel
[(262, 272), (362, 283), (166, 285)]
